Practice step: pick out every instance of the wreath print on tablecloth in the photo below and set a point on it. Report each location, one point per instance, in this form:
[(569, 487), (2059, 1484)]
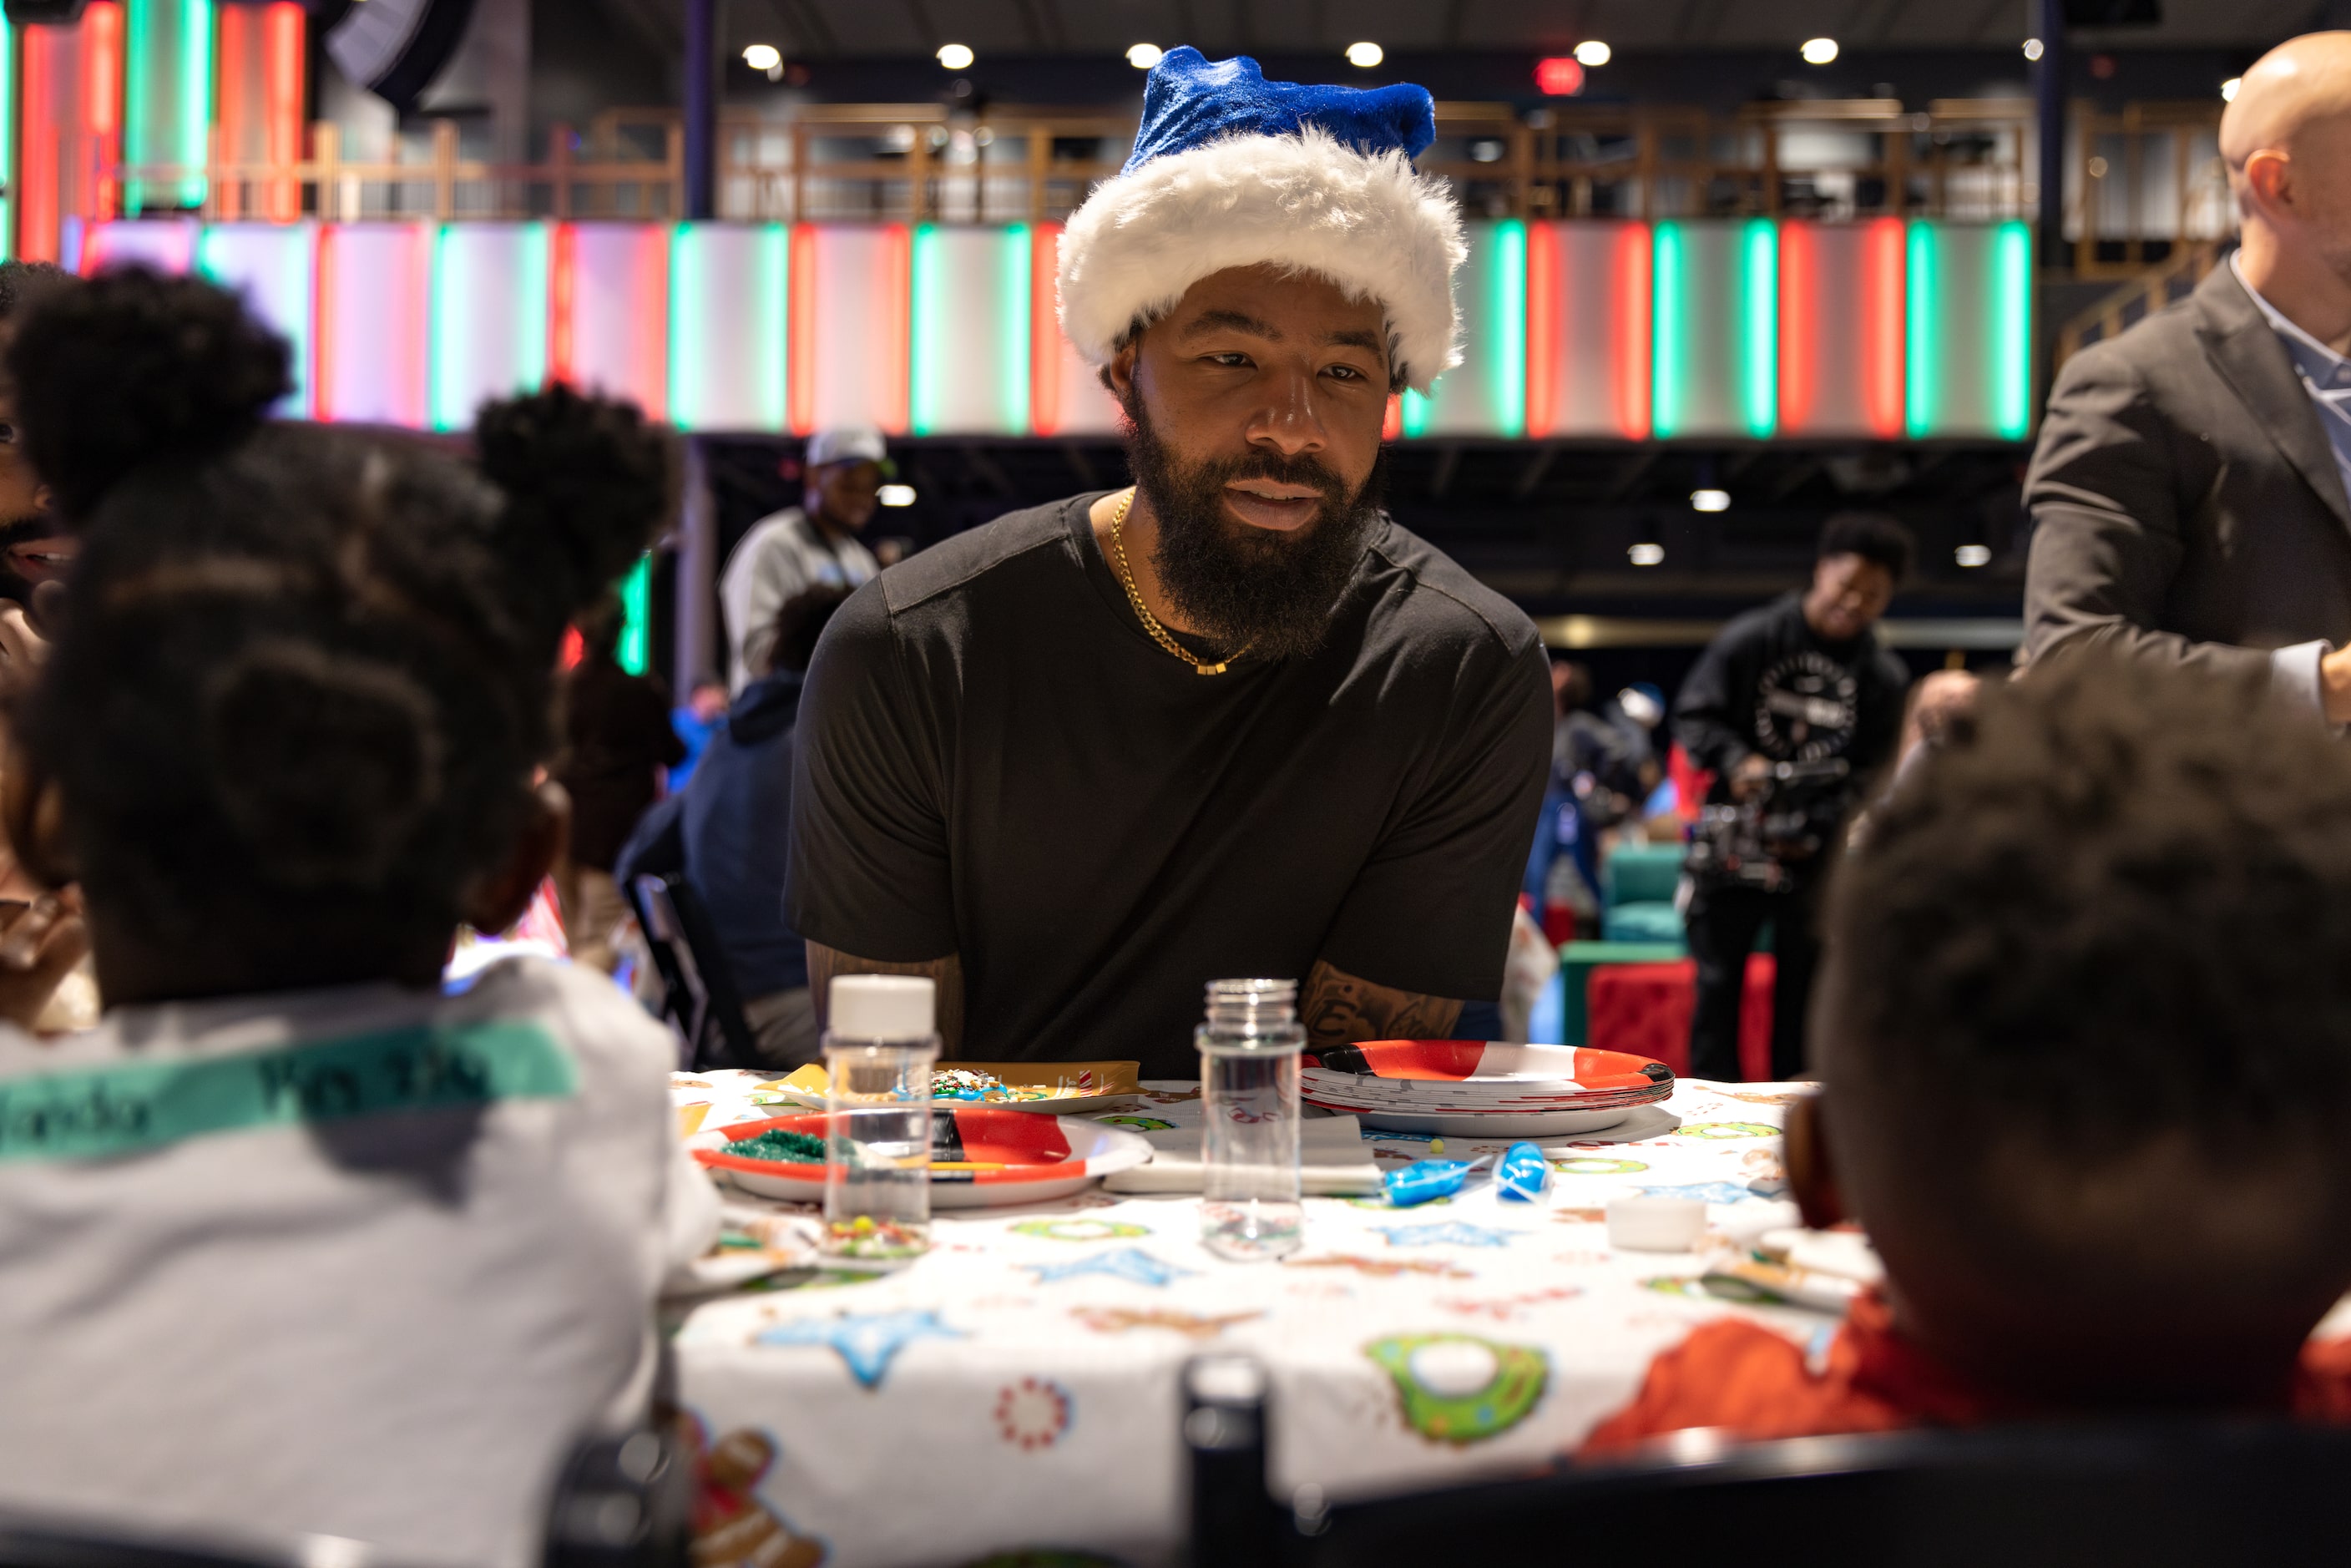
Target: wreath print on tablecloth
[(1458, 1388), (1079, 1230), (1032, 1414), (1593, 1166), (1728, 1130)]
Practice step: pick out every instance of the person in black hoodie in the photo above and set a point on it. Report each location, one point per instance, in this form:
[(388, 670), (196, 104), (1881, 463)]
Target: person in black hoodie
[(727, 830), (1802, 680)]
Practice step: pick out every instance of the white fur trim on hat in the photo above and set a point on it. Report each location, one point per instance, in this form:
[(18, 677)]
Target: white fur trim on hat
[(1365, 221)]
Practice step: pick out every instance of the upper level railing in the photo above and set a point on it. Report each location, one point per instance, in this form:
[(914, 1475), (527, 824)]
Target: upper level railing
[(2144, 182)]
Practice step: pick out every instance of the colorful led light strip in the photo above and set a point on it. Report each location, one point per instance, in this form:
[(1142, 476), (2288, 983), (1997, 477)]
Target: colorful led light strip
[(101, 108), (237, 98), (778, 259), (1883, 294), (562, 304), (1800, 327), (456, 344), (1630, 308), (1669, 332), (168, 92), (35, 234), (322, 336), (689, 338), (1924, 337), (1545, 326), (925, 310), (1044, 331), (800, 336), (636, 616), (1506, 329), (1759, 327), (2011, 318), (285, 56), (1012, 336), (7, 135), (1392, 422), (896, 287)]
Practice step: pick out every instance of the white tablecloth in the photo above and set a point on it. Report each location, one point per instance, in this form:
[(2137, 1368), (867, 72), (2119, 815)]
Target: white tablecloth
[(1017, 1390)]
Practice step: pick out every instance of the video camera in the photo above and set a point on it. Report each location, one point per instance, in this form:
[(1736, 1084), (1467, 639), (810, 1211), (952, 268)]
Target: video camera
[(1750, 843)]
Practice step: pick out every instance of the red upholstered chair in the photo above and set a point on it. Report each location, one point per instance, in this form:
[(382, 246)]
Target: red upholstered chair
[(1644, 1010)]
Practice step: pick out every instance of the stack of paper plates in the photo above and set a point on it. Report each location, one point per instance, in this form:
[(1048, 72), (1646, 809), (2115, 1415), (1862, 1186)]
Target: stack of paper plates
[(1482, 1087)]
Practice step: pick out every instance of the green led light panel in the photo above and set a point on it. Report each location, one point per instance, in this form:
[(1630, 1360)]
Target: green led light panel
[(1759, 327), (1668, 329), (1921, 408), (1507, 329), (167, 98), (2012, 330)]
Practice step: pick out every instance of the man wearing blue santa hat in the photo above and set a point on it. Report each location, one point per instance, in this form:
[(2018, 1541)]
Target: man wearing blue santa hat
[(1231, 722)]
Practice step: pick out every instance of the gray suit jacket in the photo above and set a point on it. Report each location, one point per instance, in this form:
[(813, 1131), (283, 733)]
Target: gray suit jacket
[(2186, 504)]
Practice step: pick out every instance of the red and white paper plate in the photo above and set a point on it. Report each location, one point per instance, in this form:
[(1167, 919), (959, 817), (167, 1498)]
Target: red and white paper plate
[(1040, 1156), (1482, 1087)]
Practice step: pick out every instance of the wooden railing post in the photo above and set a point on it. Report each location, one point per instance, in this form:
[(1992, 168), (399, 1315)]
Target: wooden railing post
[(326, 184), (445, 169), (1041, 167), (559, 160)]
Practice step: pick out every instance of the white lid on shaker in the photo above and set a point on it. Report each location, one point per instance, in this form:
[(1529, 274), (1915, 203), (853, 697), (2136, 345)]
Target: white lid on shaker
[(883, 1007)]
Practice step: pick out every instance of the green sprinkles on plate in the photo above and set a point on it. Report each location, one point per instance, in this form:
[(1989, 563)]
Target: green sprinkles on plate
[(776, 1144)]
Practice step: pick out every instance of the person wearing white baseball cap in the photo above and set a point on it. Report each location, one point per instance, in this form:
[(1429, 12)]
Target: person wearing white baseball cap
[(803, 545)]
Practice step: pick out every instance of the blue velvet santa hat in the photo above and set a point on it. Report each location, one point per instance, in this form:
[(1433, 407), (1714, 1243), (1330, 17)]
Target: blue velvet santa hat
[(1231, 170)]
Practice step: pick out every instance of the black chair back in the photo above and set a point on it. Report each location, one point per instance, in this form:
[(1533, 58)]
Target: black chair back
[(623, 1502), (2154, 1495), (700, 991)]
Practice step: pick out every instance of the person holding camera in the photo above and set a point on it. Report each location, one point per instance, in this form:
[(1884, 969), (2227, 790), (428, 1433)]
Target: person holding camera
[(1790, 707)]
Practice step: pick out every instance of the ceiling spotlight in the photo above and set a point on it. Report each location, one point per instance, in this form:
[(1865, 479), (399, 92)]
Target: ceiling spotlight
[(1648, 552), (1364, 57), (1559, 77), (762, 56), (1143, 56), (2032, 49), (955, 57), (1593, 52), (1818, 51), (1710, 500), (895, 495), (2229, 89), (1972, 555)]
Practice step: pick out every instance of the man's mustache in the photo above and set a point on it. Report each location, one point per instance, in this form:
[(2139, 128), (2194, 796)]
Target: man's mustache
[(26, 530)]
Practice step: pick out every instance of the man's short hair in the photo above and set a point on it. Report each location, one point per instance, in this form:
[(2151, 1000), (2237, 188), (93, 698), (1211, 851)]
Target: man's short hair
[(1873, 536), (2088, 970), (800, 621), (22, 282)]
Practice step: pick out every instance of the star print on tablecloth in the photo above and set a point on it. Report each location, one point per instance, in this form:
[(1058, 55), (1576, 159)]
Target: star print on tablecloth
[(1452, 1233), (866, 1342), (1704, 1191), (1132, 1264)]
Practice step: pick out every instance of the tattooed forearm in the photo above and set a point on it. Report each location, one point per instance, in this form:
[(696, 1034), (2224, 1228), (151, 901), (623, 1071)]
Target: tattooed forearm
[(824, 963), (1339, 1009)]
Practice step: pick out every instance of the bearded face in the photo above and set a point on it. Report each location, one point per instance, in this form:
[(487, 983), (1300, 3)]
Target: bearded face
[(1269, 591)]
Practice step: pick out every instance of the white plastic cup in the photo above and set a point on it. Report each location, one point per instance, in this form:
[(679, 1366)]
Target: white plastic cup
[(1640, 1223)]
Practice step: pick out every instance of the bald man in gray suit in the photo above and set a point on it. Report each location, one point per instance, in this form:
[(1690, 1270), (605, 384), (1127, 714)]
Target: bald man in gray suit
[(2191, 491)]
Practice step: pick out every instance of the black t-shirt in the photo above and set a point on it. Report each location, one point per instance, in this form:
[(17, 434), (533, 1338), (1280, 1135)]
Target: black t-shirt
[(1769, 683), (996, 761)]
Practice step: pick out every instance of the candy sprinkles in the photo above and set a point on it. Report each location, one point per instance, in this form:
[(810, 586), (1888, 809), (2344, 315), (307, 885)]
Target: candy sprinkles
[(776, 1144)]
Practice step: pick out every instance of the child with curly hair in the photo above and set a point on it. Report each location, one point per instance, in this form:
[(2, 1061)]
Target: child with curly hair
[(296, 1240)]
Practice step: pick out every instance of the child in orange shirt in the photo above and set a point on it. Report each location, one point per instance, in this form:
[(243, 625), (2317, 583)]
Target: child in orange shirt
[(2084, 1038)]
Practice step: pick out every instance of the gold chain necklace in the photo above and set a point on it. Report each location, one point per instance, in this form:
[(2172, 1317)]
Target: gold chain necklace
[(1134, 597)]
